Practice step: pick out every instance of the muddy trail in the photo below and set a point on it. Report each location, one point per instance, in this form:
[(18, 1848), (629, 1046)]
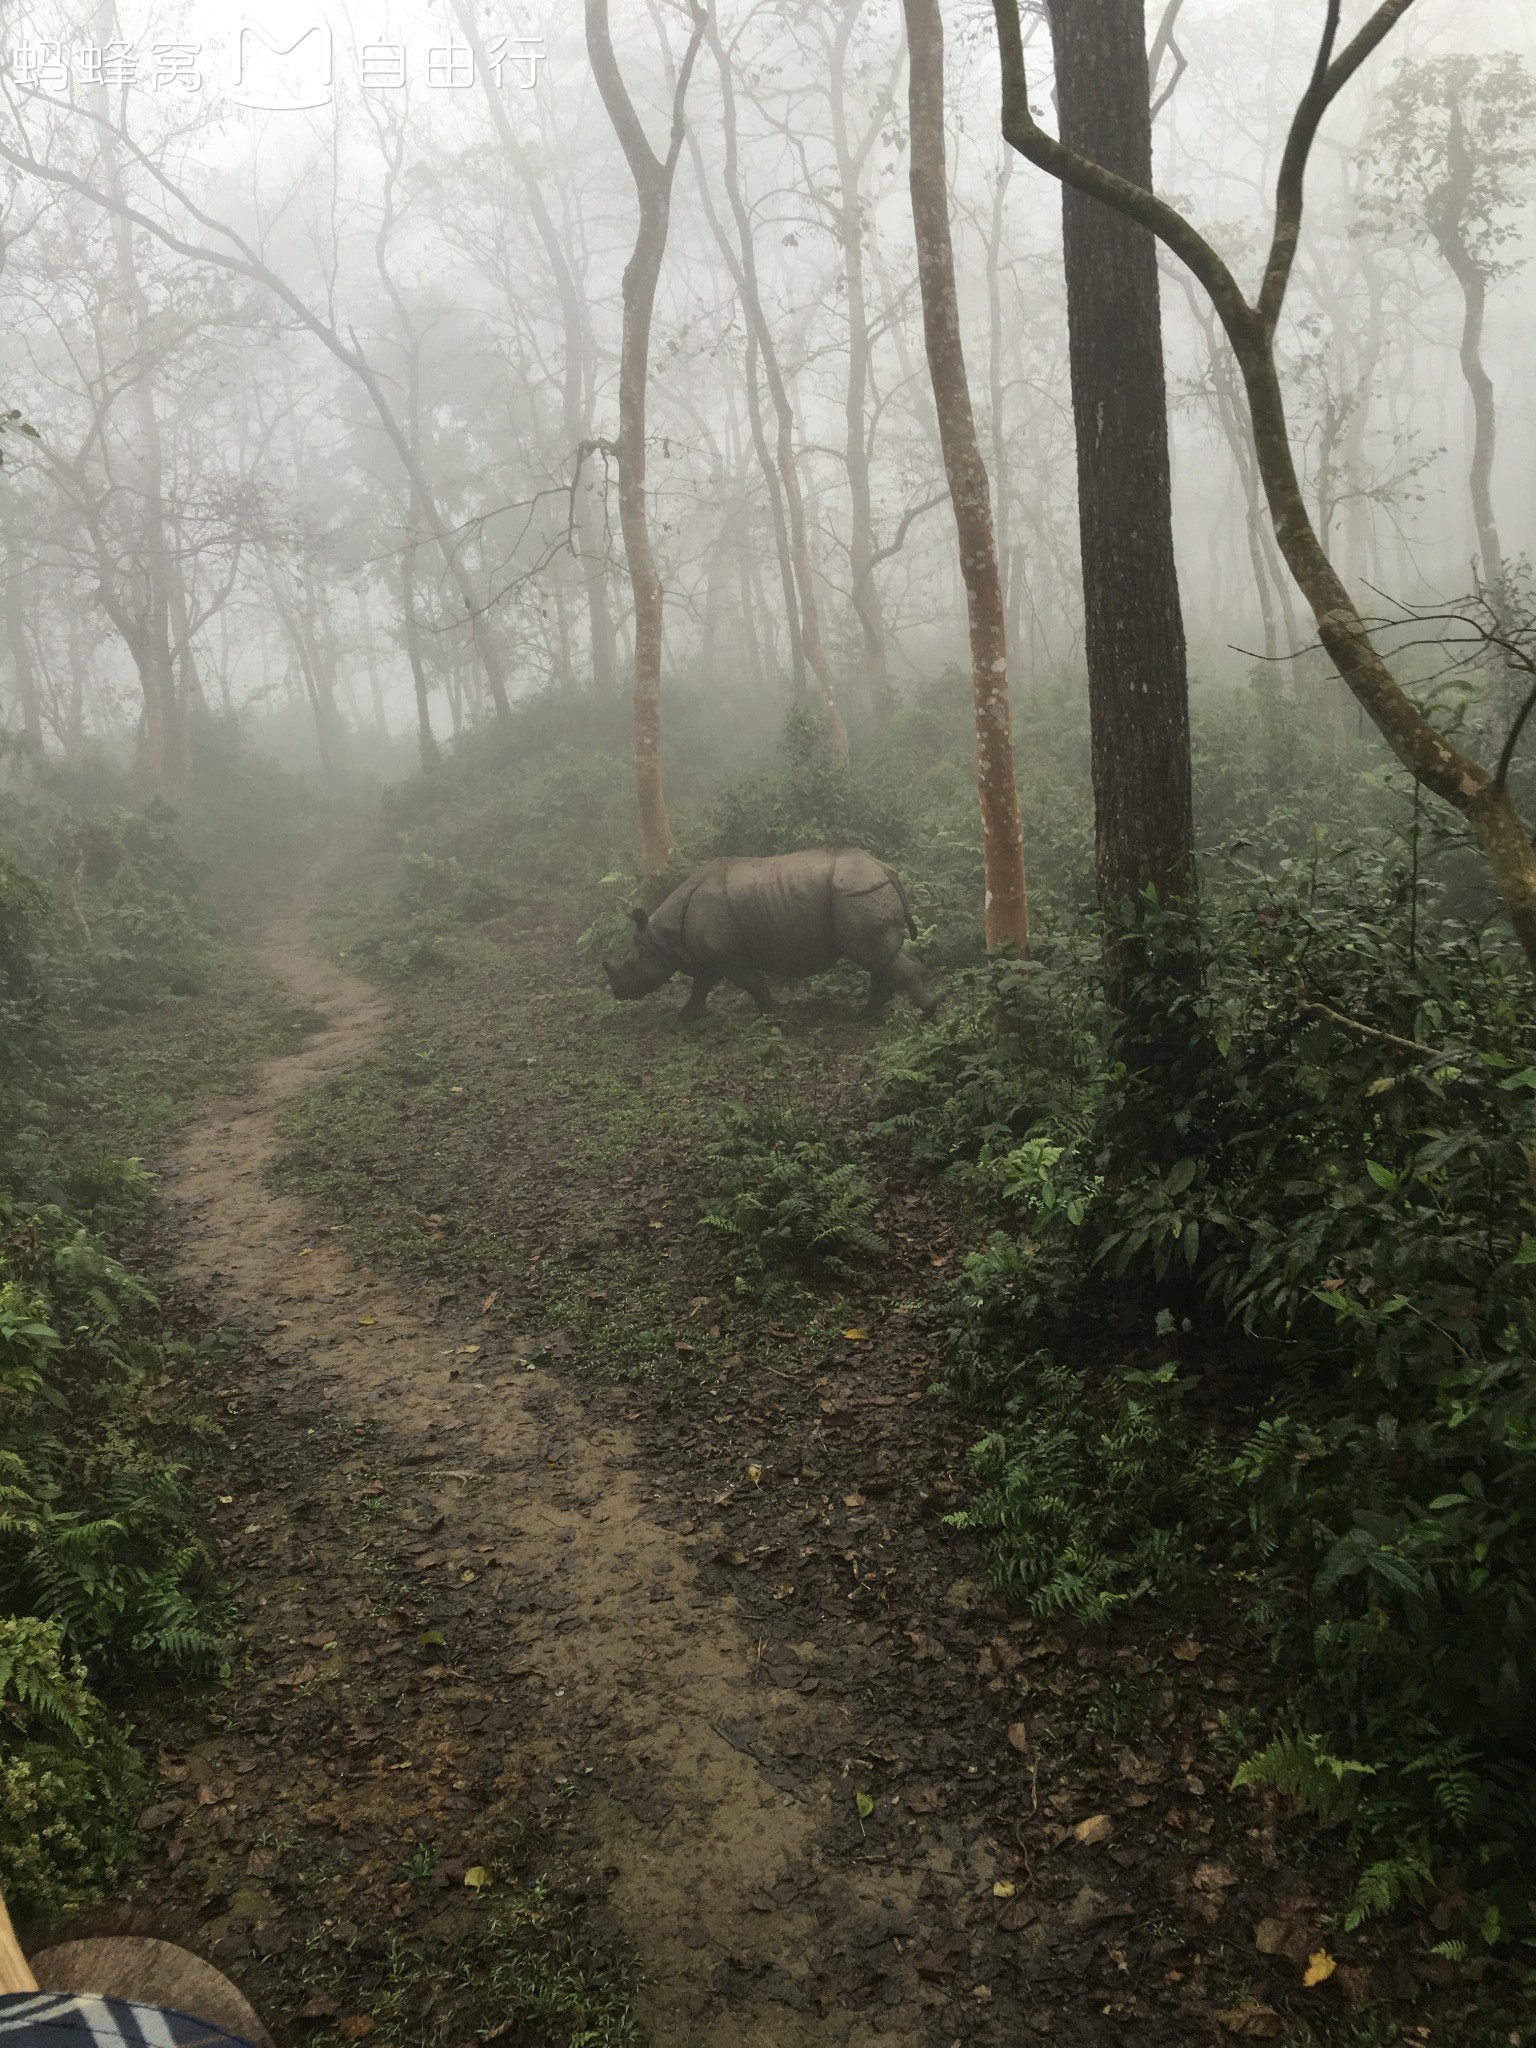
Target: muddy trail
[(729, 1683)]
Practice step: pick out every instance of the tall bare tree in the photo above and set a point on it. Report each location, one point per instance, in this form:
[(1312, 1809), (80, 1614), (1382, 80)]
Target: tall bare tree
[(1007, 900), (653, 176), (742, 263), (1450, 161)]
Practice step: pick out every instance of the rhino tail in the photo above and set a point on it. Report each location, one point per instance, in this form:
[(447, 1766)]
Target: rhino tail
[(906, 906)]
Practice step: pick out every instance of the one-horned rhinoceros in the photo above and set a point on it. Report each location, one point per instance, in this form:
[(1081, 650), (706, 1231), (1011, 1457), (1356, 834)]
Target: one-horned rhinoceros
[(792, 914)]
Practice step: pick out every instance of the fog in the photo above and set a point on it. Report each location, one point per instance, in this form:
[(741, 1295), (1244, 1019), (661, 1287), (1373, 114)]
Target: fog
[(397, 216)]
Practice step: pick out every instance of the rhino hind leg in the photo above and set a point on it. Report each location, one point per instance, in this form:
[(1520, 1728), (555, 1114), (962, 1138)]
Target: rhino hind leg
[(698, 997)]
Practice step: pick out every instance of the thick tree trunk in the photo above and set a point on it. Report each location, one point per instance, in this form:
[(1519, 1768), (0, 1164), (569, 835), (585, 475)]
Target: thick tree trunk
[(1007, 902), (1134, 632), (653, 187)]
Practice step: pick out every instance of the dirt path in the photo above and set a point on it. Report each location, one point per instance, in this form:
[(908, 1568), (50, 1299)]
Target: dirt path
[(627, 1674)]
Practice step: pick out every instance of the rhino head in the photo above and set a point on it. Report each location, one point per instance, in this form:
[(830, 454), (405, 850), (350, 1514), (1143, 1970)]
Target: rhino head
[(640, 971)]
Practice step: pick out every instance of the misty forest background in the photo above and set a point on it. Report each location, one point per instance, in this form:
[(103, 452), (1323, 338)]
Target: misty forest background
[(339, 491)]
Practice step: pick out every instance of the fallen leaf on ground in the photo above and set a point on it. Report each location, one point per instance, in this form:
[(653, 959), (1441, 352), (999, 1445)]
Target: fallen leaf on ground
[(1187, 1651), (1003, 1889), (357, 2027), (321, 2007), (857, 1336), (1018, 1737), (1273, 1937), (924, 1798), (864, 1803), (1214, 1877), (216, 1793), (1252, 2021), (1017, 1915), (1098, 1827), (302, 1676), (477, 1876), (1320, 1967)]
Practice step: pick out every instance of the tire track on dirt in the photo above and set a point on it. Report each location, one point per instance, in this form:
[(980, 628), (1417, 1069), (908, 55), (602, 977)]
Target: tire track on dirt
[(643, 1670)]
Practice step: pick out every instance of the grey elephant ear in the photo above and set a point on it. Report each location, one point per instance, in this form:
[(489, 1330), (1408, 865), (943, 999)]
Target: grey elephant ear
[(640, 918)]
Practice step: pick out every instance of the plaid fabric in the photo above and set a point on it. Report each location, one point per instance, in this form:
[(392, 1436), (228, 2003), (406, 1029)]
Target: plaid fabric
[(55, 2019)]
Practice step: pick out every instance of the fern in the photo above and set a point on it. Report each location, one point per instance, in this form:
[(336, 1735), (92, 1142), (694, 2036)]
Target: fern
[(1303, 1768)]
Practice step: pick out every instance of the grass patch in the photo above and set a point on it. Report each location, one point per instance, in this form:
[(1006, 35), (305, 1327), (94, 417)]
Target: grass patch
[(135, 1080)]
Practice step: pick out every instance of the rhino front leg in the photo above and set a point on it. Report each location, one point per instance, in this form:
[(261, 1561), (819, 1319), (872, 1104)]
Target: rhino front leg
[(698, 996), (756, 988)]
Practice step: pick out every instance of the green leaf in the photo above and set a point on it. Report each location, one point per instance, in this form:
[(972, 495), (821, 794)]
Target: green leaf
[(1178, 1177)]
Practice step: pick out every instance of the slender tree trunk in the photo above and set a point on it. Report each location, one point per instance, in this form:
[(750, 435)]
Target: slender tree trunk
[(1137, 683), (780, 526), (1450, 239), (748, 613), (1002, 494), (743, 265), (371, 657), (875, 662), (74, 728), (653, 187), (163, 760), (575, 412), (1007, 903), (411, 631), (22, 671)]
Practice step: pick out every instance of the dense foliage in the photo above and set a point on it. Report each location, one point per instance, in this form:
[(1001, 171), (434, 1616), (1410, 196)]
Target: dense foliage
[(1314, 1200), (104, 1582)]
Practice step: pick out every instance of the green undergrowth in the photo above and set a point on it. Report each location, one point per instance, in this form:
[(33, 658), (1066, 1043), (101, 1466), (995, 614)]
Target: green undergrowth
[(1256, 1315), (526, 1971), (593, 1167), (124, 1002)]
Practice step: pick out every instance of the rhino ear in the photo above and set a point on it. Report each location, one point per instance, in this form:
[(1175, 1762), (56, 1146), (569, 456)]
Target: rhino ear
[(640, 918)]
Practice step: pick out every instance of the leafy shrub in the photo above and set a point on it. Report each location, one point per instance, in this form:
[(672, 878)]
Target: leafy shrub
[(789, 1201), (1084, 1519), (71, 1786), (94, 1525), (140, 929), (1313, 1185)]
